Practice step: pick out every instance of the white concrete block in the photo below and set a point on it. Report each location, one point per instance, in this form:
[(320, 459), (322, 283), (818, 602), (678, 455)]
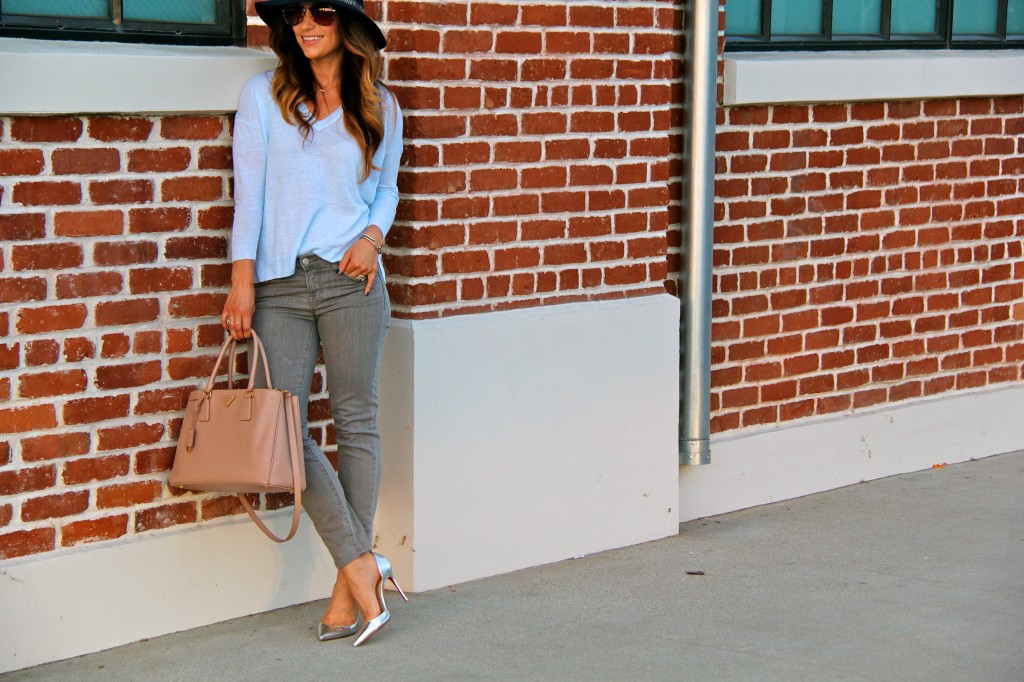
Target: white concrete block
[(537, 435), (759, 466), (97, 597)]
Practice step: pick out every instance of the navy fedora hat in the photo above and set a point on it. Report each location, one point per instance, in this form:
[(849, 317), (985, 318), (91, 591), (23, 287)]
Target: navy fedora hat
[(270, 12)]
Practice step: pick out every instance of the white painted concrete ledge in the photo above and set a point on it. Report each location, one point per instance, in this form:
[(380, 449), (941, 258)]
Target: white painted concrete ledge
[(859, 76), (760, 466), (69, 77), (530, 436)]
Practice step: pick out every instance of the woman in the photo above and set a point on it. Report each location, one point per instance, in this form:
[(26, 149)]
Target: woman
[(317, 144)]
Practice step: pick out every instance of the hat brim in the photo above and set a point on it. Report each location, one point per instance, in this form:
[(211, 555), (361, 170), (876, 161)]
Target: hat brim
[(270, 12)]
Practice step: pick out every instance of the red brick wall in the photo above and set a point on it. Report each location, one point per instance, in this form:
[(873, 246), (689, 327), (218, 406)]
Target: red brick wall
[(112, 273), (537, 168), (865, 254)]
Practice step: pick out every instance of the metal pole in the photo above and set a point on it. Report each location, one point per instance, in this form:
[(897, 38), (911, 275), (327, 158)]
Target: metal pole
[(695, 278)]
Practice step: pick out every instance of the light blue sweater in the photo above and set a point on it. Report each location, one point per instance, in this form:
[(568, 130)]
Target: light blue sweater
[(296, 197)]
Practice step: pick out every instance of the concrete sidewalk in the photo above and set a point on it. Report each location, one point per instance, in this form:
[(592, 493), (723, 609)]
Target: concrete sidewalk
[(915, 577)]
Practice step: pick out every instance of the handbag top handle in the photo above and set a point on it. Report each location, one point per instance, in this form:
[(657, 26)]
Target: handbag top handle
[(258, 353)]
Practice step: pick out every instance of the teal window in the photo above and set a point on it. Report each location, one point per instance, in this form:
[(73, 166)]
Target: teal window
[(59, 8), (745, 17), (797, 17), (911, 17), (857, 17), (191, 22), (979, 17), (873, 24), (183, 11), (1015, 17)]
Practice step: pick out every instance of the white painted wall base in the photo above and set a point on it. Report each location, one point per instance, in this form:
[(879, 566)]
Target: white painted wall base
[(511, 439), (758, 467), (95, 598), (519, 438)]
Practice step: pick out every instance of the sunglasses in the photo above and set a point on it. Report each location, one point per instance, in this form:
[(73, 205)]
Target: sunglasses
[(294, 14)]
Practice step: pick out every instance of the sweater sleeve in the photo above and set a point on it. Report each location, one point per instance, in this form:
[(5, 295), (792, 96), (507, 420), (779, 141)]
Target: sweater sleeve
[(249, 153), (385, 201)]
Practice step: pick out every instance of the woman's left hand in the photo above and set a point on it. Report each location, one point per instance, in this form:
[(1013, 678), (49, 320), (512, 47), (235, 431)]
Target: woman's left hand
[(361, 259)]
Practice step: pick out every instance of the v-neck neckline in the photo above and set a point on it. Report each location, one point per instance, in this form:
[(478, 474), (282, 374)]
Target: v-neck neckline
[(326, 120)]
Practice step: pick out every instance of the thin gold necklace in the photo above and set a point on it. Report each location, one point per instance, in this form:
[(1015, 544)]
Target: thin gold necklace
[(323, 91)]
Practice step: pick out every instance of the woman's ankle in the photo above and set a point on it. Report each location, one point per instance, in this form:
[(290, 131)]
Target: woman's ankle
[(362, 576)]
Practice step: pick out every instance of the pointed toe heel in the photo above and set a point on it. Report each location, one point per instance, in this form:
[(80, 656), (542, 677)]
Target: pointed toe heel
[(325, 633), (375, 625)]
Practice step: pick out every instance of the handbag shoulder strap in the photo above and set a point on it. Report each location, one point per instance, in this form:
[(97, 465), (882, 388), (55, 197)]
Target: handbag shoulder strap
[(291, 411)]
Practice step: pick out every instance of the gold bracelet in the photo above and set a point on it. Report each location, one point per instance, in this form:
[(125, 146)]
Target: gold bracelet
[(379, 247)]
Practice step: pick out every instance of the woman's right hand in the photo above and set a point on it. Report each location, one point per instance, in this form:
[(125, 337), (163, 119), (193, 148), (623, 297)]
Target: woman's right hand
[(236, 317)]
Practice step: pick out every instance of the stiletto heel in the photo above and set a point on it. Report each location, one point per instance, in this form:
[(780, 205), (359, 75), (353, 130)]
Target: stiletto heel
[(399, 589), (375, 625), (326, 633)]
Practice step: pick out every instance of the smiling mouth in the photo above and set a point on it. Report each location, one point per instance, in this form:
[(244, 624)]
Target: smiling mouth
[(309, 40)]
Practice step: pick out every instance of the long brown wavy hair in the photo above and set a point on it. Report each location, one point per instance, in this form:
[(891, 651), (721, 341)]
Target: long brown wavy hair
[(361, 101)]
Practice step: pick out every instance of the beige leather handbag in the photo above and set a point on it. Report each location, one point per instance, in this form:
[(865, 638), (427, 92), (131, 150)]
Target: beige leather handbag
[(242, 440)]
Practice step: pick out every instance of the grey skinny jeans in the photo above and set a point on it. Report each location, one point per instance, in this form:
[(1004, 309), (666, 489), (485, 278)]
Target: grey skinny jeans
[(295, 317)]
